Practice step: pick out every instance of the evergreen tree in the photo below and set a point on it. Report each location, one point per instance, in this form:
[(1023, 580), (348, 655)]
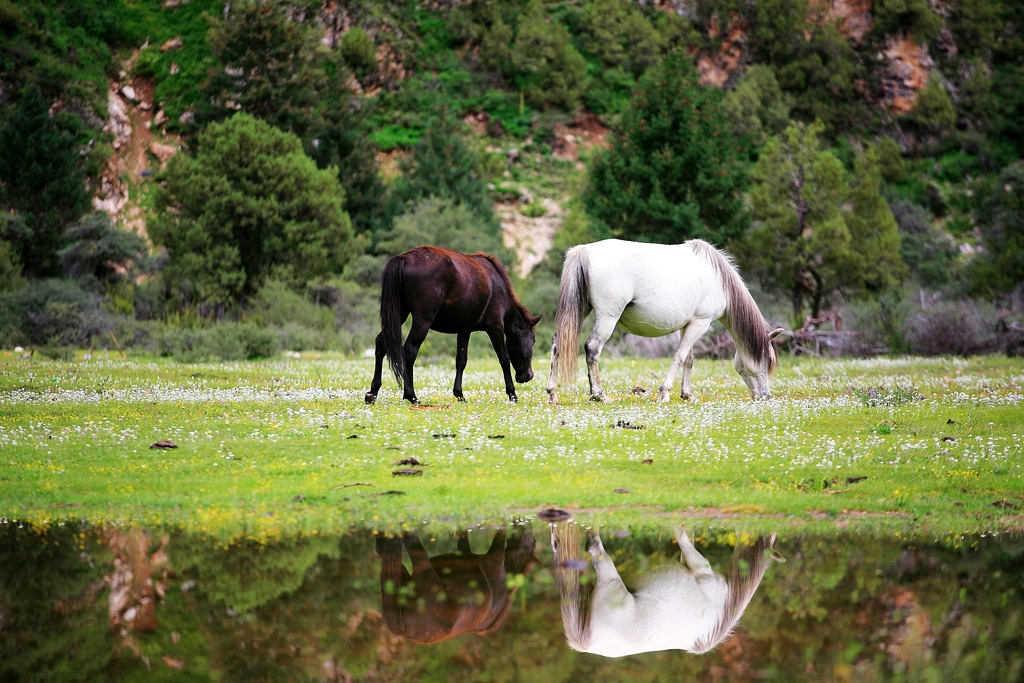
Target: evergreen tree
[(757, 106), (442, 165), (675, 171), (1000, 268), (339, 143), (549, 70), (267, 66), (876, 263), (40, 182), (800, 238), (618, 33), (818, 231), (98, 248), (249, 205)]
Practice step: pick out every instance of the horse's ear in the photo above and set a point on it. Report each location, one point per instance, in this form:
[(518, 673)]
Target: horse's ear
[(776, 332), (534, 321)]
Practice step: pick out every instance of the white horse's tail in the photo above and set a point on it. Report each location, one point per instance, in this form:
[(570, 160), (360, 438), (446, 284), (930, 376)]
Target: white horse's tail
[(573, 299), (574, 595)]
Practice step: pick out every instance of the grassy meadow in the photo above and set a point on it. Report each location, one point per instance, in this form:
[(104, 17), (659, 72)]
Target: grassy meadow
[(269, 449)]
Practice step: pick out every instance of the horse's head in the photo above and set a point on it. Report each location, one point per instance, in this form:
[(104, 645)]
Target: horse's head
[(519, 339), (756, 373)]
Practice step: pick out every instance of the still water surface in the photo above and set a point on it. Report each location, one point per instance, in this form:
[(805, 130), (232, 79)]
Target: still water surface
[(532, 602)]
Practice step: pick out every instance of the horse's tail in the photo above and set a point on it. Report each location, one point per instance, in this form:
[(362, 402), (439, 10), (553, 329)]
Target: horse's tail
[(573, 299), (392, 580), (391, 315), (574, 594)]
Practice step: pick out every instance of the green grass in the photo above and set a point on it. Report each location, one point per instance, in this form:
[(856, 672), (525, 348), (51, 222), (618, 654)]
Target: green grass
[(269, 449)]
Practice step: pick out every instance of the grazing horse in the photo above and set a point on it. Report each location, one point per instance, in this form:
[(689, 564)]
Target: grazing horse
[(652, 290), (676, 607), (456, 294), (451, 594)]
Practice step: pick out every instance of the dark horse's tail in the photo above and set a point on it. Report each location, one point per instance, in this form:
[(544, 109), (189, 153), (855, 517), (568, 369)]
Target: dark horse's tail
[(391, 315)]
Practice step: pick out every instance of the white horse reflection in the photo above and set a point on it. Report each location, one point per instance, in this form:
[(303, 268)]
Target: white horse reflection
[(677, 607)]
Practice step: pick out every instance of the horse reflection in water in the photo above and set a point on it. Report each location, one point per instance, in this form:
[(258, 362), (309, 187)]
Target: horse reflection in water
[(452, 594), (685, 606)]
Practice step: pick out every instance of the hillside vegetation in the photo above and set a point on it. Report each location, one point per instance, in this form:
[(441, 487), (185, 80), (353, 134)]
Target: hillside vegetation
[(201, 179)]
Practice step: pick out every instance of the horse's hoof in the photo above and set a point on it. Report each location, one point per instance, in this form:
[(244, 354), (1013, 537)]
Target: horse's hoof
[(597, 398), (413, 401), (369, 398), (462, 399), (513, 398)]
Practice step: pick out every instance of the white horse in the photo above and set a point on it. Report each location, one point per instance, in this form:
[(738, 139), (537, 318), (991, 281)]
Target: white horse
[(652, 290), (677, 607)]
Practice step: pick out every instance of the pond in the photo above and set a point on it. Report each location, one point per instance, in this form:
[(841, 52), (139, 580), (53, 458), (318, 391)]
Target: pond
[(118, 603)]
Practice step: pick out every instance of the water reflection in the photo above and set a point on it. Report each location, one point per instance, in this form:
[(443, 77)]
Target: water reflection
[(681, 606), (454, 593), (82, 603)]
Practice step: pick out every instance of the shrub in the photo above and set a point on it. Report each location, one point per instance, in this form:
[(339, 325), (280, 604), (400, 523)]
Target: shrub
[(223, 341), (359, 52), (51, 313), (954, 327)]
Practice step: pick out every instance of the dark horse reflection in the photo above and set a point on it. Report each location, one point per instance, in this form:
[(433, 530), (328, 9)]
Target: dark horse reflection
[(456, 294), (684, 606), (452, 594)]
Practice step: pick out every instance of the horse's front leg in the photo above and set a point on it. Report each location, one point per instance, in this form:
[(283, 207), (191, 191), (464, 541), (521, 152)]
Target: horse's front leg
[(411, 349), (683, 357), (498, 342), (603, 328), (461, 356), (378, 364)]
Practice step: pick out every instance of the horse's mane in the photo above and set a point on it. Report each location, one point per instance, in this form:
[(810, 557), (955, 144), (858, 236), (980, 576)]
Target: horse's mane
[(744, 316), (500, 269), (740, 589)]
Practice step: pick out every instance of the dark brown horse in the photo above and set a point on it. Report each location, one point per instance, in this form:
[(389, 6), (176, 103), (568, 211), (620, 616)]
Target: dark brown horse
[(452, 594), (456, 294)]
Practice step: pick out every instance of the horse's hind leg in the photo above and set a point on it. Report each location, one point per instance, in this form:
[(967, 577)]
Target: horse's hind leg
[(685, 387), (693, 331), (412, 349), (603, 328), (461, 356), (553, 375), (378, 364)]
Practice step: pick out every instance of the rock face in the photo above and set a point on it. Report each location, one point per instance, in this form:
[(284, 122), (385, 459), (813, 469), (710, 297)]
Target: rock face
[(907, 73), (528, 238), (716, 69), (854, 17)]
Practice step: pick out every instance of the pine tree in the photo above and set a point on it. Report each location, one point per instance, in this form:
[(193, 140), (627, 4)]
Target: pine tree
[(675, 171), (41, 182), (248, 206), (442, 165)]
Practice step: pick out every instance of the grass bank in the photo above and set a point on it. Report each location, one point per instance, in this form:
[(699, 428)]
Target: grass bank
[(269, 449)]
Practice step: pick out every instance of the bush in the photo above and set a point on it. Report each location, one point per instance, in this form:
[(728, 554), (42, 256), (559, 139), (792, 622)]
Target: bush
[(223, 341), (955, 327), (359, 52), (51, 313)]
